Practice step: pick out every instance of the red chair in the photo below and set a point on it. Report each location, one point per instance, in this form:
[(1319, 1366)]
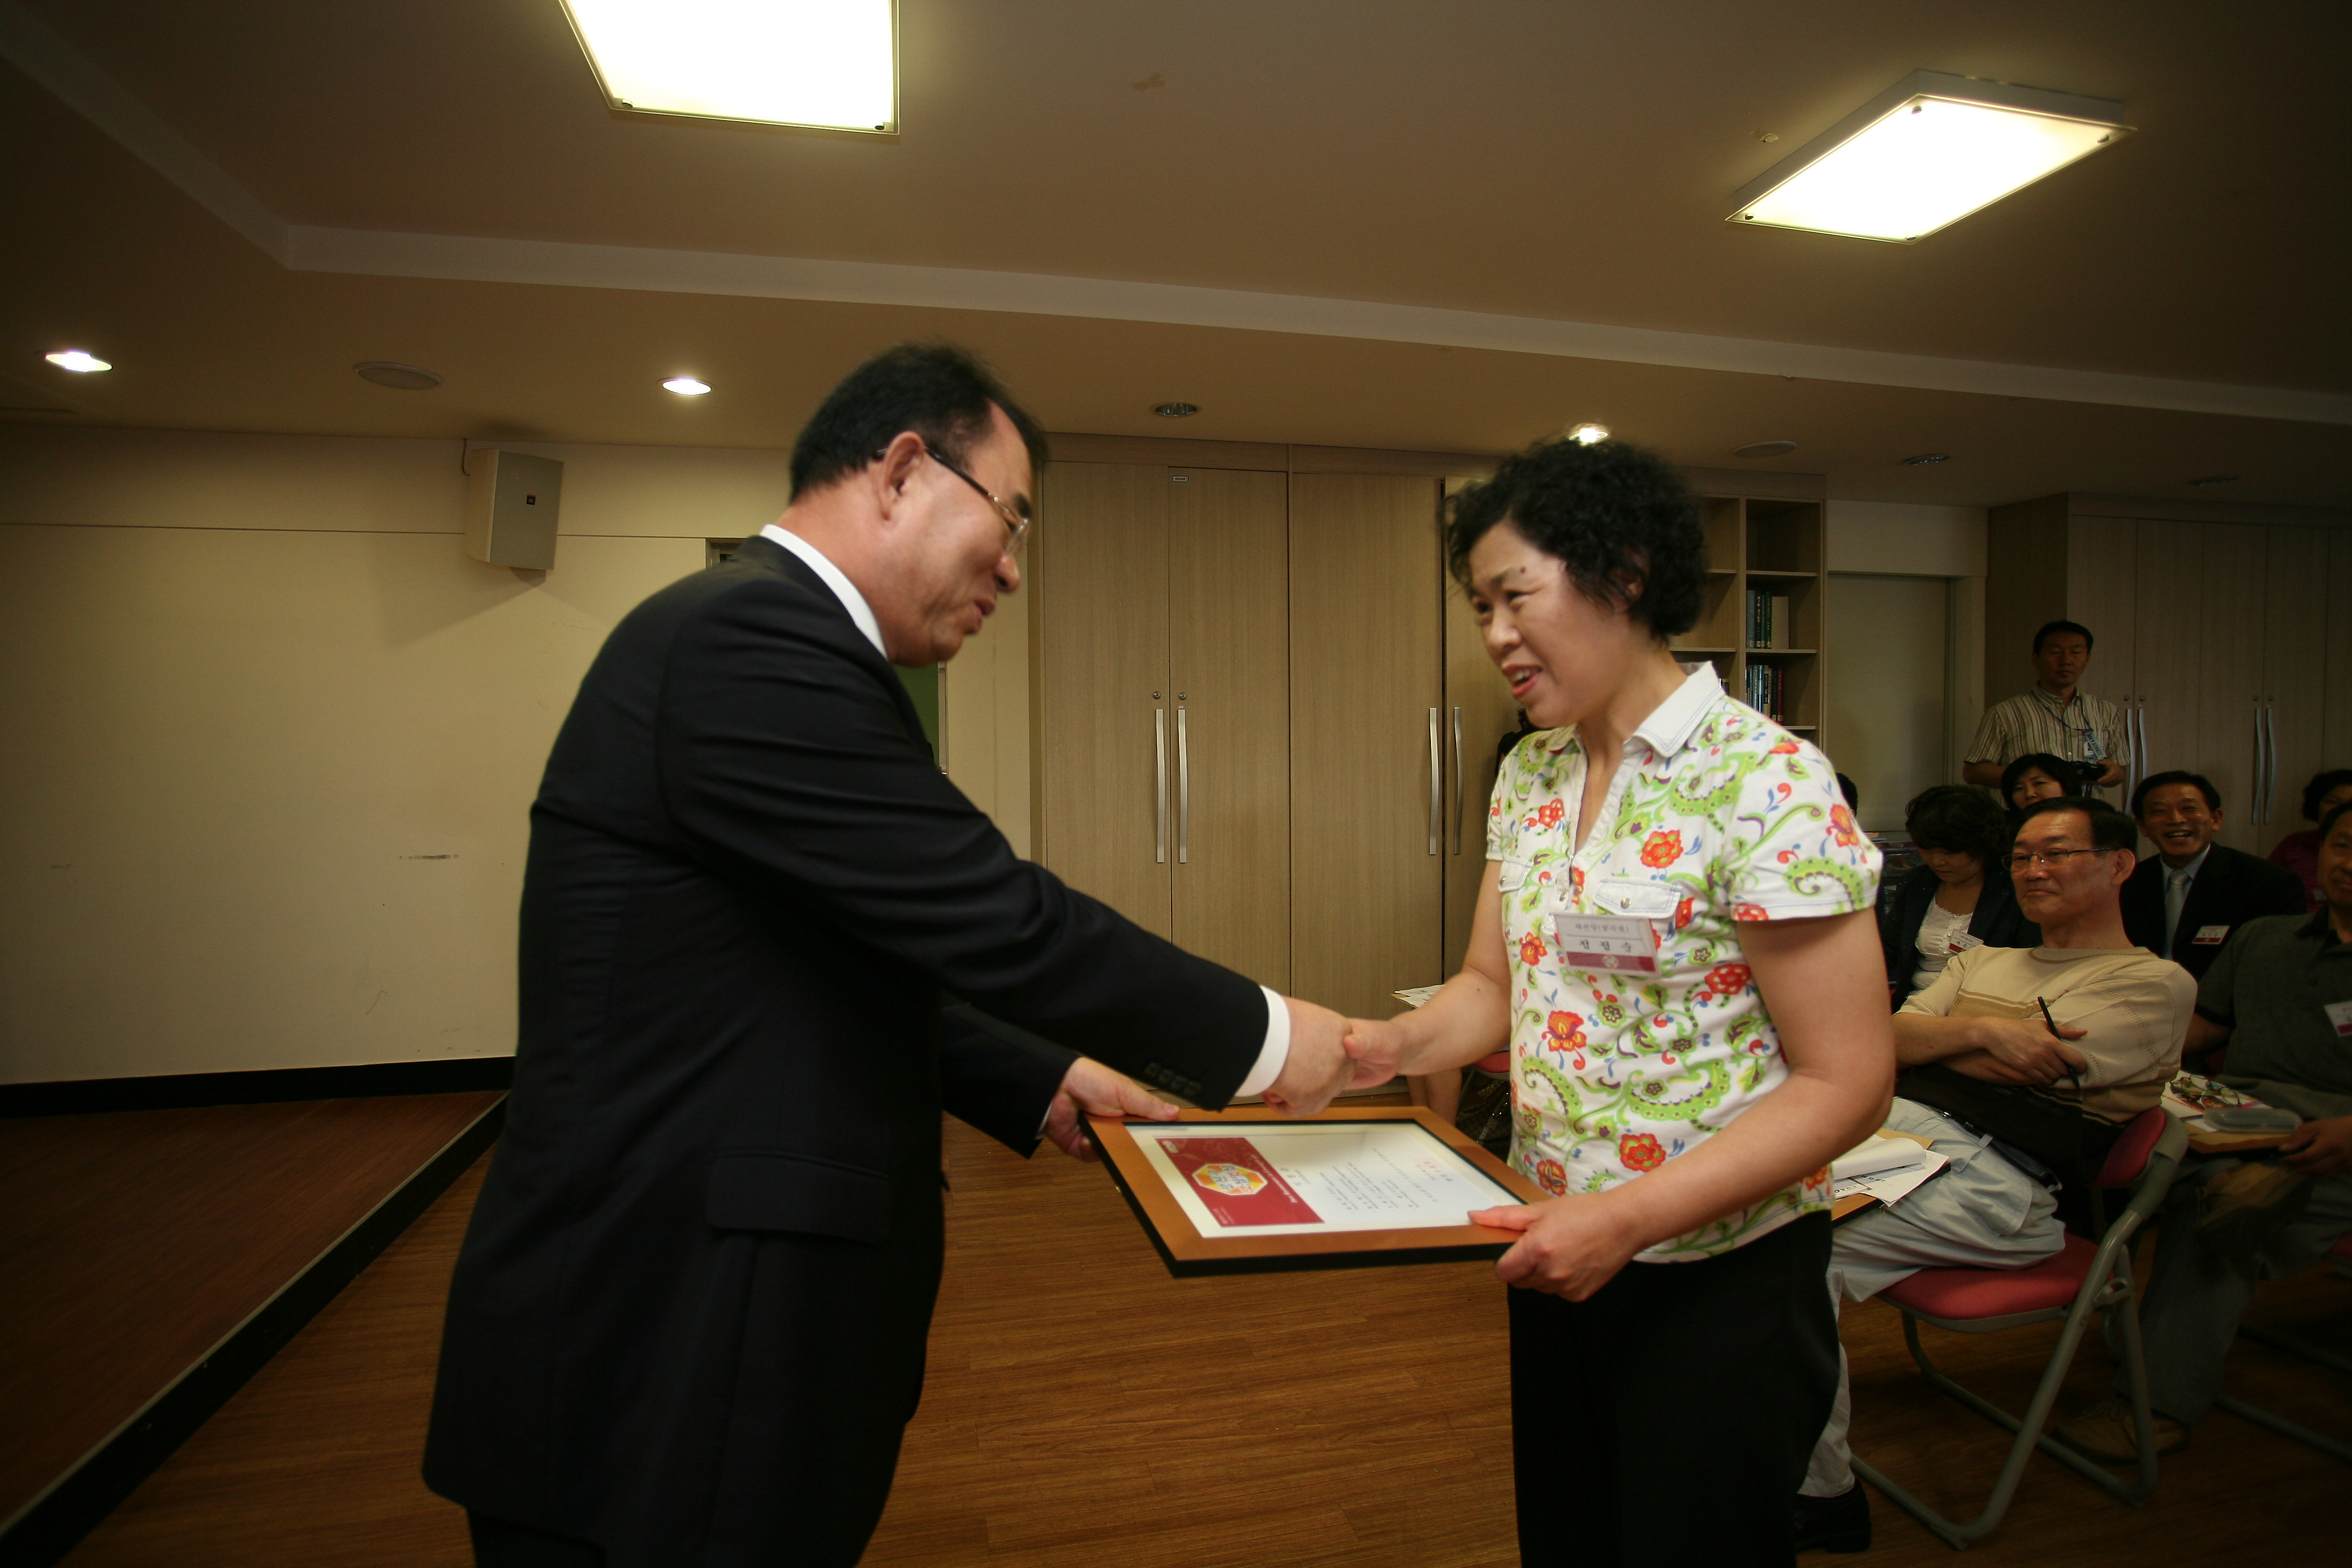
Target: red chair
[(2076, 1282), (2335, 1448)]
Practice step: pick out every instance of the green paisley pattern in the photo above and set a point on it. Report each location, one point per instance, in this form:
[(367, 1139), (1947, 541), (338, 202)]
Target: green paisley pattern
[(1729, 817)]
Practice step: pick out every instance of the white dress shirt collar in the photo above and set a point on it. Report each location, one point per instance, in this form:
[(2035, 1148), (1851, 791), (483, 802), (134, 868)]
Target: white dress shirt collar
[(860, 612)]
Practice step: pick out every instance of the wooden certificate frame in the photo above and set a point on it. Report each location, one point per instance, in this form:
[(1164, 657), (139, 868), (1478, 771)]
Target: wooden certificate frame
[(1187, 1252)]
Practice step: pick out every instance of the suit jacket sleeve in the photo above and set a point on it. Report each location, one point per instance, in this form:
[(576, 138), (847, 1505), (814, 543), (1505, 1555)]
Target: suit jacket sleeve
[(998, 1078), (787, 758)]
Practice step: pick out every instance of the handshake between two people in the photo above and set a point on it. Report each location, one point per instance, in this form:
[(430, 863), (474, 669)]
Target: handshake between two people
[(1328, 1054)]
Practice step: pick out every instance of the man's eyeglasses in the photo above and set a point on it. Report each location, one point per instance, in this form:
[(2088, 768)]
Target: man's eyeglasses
[(1013, 519), (2049, 858)]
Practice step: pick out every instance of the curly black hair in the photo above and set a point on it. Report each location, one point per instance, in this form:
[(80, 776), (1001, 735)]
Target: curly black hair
[(1959, 821), (2316, 790), (1618, 516)]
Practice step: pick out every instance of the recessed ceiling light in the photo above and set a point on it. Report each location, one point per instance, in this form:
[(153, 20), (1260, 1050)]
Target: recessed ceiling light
[(399, 377), (1926, 152), (1176, 410), (686, 386), (76, 359), (2216, 480), (1923, 458), (1589, 434), (1765, 449), (832, 64)]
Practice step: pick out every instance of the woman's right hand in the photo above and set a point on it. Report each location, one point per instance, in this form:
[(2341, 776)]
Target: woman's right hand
[(1377, 1045)]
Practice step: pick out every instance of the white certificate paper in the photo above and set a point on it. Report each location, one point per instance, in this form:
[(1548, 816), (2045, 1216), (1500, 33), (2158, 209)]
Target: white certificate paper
[(1314, 1178)]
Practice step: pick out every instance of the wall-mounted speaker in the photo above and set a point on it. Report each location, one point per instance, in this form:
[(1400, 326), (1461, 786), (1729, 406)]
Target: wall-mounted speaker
[(511, 500)]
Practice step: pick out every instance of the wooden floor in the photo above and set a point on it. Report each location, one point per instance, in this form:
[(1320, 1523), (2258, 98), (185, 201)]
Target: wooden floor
[(131, 1242), (1084, 1409)]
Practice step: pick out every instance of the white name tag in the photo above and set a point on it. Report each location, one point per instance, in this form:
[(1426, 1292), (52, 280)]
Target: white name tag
[(1625, 944), (2210, 936), (1964, 942), (2340, 1014)]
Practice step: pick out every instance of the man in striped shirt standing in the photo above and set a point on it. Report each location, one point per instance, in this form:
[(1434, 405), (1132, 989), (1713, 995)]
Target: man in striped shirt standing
[(2050, 716)]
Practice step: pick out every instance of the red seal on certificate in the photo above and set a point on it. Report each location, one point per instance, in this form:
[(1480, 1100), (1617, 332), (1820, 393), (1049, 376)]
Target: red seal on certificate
[(1239, 1184)]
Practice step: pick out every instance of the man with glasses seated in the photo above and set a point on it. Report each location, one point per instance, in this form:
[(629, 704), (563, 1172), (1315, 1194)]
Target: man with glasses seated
[(2018, 1066)]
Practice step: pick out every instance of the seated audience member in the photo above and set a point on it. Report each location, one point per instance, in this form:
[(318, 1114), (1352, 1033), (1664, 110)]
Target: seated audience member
[(1957, 898), (1977, 1039), (2184, 904), (2274, 996), (2299, 852), (2038, 775)]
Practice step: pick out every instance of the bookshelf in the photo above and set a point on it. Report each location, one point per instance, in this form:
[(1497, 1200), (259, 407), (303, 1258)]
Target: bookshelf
[(1772, 547)]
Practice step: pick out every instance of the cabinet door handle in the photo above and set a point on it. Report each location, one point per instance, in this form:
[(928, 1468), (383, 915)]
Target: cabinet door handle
[(2257, 811), (2269, 732), (1459, 804), (1159, 784), (1183, 793), (1437, 786)]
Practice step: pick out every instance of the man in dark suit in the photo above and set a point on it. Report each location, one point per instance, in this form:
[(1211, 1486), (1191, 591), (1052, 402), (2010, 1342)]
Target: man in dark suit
[(686, 1326), (2184, 903)]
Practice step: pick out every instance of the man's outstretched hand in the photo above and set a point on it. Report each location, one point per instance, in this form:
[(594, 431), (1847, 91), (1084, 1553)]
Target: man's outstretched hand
[(1322, 1063), (1090, 1089)]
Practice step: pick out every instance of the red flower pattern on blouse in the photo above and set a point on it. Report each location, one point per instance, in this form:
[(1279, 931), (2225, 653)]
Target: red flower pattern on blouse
[(1681, 914), (1751, 912), (1564, 1032), (1663, 848), (1640, 1152), (1725, 980), (1548, 814), (1552, 1176), (1785, 749), (1531, 950), (1841, 827)]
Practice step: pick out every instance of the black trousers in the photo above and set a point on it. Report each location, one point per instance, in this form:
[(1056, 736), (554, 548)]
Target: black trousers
[(1668, 1419), (497, 1545)]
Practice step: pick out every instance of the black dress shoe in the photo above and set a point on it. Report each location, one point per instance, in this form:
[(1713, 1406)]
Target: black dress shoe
[(1840, 1523)]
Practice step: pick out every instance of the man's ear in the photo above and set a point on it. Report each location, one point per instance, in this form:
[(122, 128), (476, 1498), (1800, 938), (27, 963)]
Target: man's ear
[(888, 474)]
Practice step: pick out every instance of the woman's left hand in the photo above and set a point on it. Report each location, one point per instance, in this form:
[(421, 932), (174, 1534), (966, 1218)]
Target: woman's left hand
[(1569, 1247)]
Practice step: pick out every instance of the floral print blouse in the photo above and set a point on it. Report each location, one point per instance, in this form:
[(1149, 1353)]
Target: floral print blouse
[(1716, 816)]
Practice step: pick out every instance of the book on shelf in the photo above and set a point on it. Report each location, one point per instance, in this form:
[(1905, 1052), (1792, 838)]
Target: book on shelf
[(1769, 619)]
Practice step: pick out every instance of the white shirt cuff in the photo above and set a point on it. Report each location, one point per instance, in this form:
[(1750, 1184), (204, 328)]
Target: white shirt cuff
[(1275, 1053)]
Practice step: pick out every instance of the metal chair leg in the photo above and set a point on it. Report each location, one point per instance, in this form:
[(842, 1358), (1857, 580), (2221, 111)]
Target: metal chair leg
[(2335, 1449)]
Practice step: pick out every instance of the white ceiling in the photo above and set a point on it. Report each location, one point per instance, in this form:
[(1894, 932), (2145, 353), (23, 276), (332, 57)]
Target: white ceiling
[(1476, 222)]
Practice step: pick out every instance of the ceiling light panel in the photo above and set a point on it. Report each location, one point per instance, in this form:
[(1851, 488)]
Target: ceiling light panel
[(1925, 153), (828, 64)]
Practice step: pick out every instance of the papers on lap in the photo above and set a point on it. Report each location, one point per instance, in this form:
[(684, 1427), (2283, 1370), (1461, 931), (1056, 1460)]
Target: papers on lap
[(1887, 1166), (1315, 1178)]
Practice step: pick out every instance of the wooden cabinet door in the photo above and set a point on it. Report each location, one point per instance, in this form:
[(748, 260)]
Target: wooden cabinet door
[(2294, 676), (2335, 729), (2168, 625), (2228, 654), (1229, 612), (1367, 874), (2102, 592), (1478, 713), (1106, 733)]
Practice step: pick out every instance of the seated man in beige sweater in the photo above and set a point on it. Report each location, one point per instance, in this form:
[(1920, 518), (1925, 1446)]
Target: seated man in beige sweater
[(2112, 1040)]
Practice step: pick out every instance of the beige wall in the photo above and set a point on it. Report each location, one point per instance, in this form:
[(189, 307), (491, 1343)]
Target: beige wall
[(984, 720), (271, 736)]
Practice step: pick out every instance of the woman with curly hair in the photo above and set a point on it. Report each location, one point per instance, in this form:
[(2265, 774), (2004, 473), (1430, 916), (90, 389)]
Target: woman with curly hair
[(1674, 939), (1959, 898), (2299, 852)]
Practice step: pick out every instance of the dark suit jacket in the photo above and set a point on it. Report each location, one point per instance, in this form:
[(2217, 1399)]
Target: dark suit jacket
[(1997, 921), (2231, 888), (688, 1321)]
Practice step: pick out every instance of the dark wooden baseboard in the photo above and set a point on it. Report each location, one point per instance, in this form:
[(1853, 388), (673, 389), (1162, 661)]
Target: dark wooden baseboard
[(50, 1526), (77, 1097)]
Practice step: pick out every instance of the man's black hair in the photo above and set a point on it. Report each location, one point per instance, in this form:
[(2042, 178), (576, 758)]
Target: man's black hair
[(1957, 820), (2075, 778), (938, 391), (2110, 828), (1610, 512), (2053, 628), (1852, 790), (2327, 824), (2176, 776), (2316, 790)]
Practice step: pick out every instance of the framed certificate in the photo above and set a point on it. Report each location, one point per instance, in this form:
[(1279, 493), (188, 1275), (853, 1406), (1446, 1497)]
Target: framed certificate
[(1253, 1190)]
